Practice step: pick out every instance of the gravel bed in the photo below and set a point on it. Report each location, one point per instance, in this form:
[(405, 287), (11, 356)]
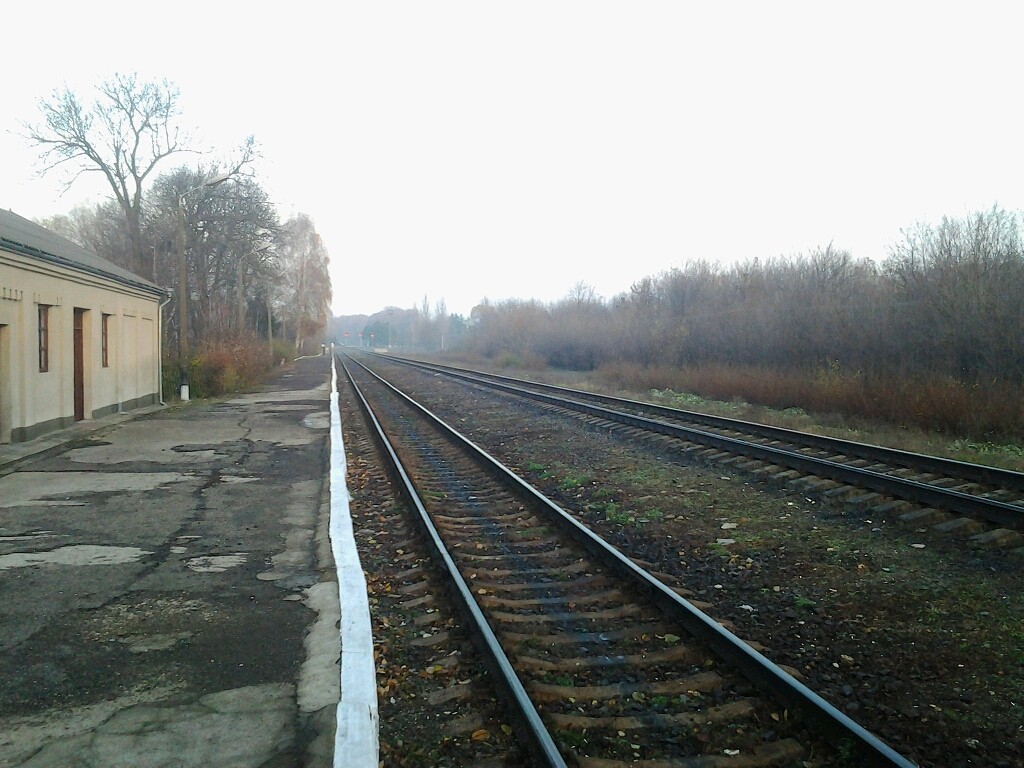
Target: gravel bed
[(435, 702), (915, 635)]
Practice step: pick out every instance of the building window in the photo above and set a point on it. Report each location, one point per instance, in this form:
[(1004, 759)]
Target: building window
[(44, 338), (105, 340)]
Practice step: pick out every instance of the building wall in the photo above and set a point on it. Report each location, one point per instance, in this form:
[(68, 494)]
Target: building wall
[(33, 402)]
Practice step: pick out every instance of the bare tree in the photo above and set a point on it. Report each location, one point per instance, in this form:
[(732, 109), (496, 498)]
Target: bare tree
[(306, 281), (100, 228), (124, 134), (227, 232), (960, 285), (581, 294)]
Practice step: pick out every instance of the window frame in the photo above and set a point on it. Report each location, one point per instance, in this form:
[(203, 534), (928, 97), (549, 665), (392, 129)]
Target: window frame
[(43, 316), (104, 340)]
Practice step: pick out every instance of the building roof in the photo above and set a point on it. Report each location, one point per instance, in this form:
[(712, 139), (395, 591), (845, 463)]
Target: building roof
[(22, 236)]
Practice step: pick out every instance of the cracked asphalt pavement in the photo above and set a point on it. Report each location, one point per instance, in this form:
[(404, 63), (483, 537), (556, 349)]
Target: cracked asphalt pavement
[(169, 597)]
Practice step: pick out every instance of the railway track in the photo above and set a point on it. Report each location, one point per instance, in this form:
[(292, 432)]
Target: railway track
[(599, 662), (434, 697), (985, 502)]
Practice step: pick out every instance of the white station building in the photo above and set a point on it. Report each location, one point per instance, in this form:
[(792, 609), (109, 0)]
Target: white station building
[(79, 336)]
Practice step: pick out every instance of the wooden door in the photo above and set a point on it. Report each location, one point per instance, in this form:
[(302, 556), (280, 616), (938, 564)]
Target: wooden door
[(79, 365)]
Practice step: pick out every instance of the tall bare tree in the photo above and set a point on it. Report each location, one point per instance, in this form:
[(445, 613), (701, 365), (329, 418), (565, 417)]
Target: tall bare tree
[(306, 296), (123, 135), (226, 234)]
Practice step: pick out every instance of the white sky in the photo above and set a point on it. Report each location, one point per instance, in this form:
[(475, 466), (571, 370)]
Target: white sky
[(462, 150)]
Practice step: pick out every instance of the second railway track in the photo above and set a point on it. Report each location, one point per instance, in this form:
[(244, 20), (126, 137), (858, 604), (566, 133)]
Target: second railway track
[(987, 502), (603, 664)]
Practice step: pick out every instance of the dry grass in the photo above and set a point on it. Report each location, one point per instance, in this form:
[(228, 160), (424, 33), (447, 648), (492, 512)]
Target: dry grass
[(982, 423), (943, 417), (974, 423), (983, 411)]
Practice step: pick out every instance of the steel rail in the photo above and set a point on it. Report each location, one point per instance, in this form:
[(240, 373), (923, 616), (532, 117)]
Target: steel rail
[(979, 473), (756, 667), (520, 708), (907, 489)]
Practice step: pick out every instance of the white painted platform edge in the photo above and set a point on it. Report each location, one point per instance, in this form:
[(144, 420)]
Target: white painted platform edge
[(357, 741)]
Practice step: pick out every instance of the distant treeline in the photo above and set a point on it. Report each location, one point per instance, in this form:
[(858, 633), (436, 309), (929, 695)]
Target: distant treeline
[(949, 300), (931, 336), (945, 308)]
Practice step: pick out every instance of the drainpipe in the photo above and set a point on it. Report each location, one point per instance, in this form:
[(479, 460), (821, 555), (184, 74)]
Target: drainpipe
[(159, 345)]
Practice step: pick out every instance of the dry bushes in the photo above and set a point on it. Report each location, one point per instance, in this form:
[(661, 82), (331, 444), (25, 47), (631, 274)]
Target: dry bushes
[(225, 365), (985, 410)]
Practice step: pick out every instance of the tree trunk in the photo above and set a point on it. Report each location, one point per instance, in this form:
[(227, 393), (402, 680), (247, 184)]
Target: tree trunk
[(140, 265)]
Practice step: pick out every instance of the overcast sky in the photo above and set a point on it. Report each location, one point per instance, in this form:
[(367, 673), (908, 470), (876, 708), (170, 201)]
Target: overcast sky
[(463, 150)]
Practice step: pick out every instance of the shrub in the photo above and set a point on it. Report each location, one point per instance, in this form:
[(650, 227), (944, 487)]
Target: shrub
[(282, 351), (225, 365), (525, 361), (170, 374)]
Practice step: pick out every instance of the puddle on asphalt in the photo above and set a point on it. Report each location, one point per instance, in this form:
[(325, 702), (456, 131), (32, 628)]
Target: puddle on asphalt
[(233, 479), (75, 554), (278, 399), (147, 643), (216, 563)]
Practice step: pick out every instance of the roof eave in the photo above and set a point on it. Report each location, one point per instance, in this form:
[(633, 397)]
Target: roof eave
[(28, 250)]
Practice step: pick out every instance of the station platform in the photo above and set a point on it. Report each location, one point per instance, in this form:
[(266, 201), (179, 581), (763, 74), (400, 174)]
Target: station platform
[(171, 579)]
